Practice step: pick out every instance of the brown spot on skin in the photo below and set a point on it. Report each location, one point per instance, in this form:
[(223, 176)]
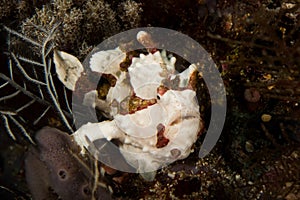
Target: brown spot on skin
[(161, 90), (124, 66), (177, 121), (128, 60), (109, 170), (110, 78), (202, 128), (152, 50), (133, 103), (193, 81), (175, 153), (162, 141), (105, 83), (124, 106)]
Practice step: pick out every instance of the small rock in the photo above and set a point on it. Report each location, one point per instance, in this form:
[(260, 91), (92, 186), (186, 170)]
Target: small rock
[(249, 147), (252, 95), (266, 117)]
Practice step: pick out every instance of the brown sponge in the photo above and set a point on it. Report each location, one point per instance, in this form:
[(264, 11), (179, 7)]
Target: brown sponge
[(53, 169)]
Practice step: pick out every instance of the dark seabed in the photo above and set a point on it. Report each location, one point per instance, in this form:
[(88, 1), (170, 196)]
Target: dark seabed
[(255, 45)]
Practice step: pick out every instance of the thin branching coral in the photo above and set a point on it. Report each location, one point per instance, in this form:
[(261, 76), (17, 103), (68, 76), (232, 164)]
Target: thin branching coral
[(36, 85), (6, 8), (51, 14), (81, 22), (101, 20), (130, 14), (71, 29)]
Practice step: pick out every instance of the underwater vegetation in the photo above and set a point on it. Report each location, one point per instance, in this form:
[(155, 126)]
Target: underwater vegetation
[(256, 46)]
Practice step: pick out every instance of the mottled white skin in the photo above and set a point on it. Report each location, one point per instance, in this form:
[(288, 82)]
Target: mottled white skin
[(182, 135), (118, 93), (146, 74), (110, 61), (139, 138), (145, 86), (176, 109), (184, 76)]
